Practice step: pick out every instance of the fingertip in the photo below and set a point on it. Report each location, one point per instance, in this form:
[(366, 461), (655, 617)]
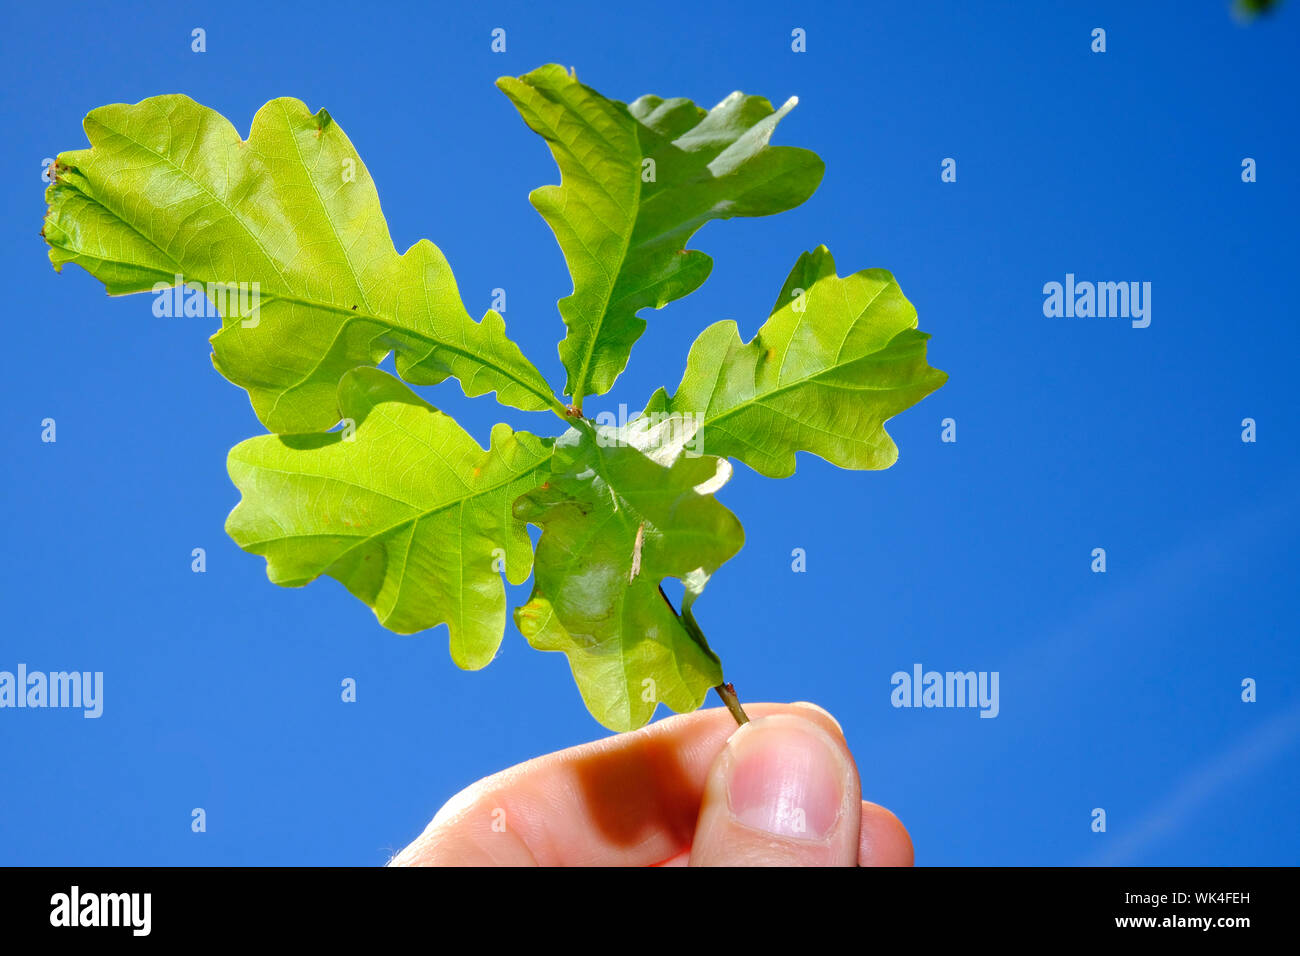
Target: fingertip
[(829, 718), (882, 838)]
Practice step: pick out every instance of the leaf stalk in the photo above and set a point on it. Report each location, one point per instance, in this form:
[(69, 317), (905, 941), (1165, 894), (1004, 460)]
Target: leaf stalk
[(728, 694)]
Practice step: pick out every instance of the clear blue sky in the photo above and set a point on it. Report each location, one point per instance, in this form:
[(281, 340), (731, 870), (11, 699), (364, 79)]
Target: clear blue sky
[(1118, 690)]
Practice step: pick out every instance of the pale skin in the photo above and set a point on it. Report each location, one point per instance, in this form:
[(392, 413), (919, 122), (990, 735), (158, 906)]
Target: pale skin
[(783, 790)]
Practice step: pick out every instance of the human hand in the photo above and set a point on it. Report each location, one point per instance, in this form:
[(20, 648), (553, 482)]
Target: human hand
[(782, 790)]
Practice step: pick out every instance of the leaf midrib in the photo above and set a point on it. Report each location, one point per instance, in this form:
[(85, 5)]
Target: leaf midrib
[(759, 399), (417, 517), (580, 383), (547, 398), (350, 314)]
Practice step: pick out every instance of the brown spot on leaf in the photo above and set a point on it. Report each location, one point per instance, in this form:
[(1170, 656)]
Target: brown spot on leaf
[(636, 552)]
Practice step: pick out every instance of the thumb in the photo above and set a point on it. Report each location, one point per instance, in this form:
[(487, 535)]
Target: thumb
[(783, 792)]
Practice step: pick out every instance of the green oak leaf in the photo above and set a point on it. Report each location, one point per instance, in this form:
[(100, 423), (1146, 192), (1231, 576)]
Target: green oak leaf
[(168, 188), (834, 361), (409, 513), (622, 511), (636, 183)]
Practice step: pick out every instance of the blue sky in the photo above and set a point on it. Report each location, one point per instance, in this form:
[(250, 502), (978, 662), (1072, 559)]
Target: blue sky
[(1118, 690)]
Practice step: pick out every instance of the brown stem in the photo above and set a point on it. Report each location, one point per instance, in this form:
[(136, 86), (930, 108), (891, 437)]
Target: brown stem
[(728, 694)]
